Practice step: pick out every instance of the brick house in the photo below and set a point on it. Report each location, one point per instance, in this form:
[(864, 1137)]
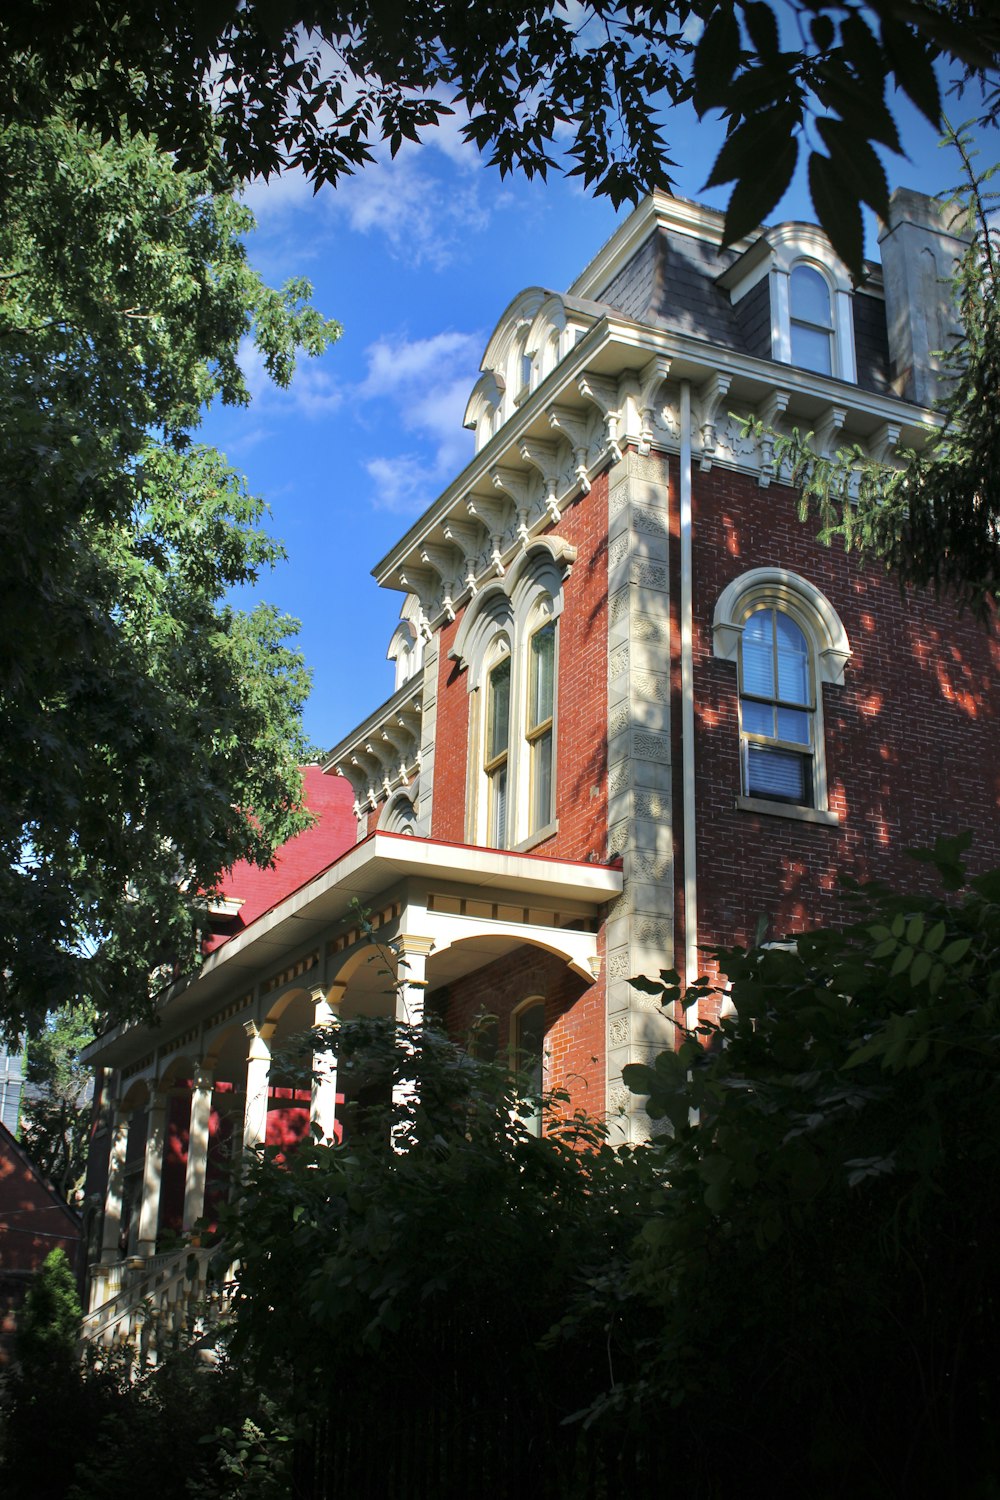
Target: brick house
[(637, 706)]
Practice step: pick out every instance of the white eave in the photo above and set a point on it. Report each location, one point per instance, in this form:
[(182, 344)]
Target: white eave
[(615, 345), (365, 873)]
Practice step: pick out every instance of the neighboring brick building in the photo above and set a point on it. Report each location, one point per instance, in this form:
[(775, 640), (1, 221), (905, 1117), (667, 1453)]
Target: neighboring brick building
[(637, 705), (33, 1221)]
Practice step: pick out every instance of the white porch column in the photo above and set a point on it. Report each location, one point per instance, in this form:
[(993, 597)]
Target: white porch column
[(198, 1134), (323, 1104), (110, 1249), (258, 1078), (152, 1172), (411, 983), (411, 953)]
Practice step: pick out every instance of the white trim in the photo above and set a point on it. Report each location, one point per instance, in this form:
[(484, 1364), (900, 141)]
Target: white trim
[(829, 648), (780, 586), (510, 611), (687, 702)]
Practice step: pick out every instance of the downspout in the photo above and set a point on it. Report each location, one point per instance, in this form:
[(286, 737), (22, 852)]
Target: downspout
[(690, 870)]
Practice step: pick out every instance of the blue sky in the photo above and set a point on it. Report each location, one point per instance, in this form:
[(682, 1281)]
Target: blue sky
[(417, 258)]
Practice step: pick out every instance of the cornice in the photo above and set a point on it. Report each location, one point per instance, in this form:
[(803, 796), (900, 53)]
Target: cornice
[(615, 388), (383, 753)]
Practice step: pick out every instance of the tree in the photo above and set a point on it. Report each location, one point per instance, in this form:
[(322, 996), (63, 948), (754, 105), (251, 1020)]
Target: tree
[(55, 1118), (317, 86), (48, 1326), (821, 1265), (152, 730)]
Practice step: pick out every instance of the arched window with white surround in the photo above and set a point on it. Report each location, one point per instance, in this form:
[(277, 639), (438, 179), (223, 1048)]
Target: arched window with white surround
[(539, 723), (811, 319), (812, 302), (777, 708), (508, 642), (786, 641), (496, 745)]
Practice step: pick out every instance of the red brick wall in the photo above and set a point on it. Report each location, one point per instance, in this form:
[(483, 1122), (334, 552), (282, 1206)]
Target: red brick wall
[(582, 707), (911, 738), (574, 1017)]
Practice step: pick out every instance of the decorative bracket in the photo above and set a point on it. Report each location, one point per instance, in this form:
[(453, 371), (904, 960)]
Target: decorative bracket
[(651, 378), (518, 488), (883, 442), (467, 536), (830, 423), (709, 396), (571, 426), (421, 582), (492, 516), (769, 412), (606, 396), (446, 563), (544, 456)]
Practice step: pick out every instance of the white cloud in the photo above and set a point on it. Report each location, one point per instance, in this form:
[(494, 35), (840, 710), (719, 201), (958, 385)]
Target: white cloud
[(427, 382), (400, 484), (397, 363)]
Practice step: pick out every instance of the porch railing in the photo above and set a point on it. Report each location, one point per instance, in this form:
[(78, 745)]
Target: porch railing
[(148, 1305)]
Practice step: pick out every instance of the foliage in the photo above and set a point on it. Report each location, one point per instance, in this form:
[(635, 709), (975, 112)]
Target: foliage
[(425, 1259), (172, 1425), (44, 1380), (152, 730), (935, 519), (253, 1462), (317, 87), (55, 1120), (48, 1324), (442, 1197), (823, 1260)]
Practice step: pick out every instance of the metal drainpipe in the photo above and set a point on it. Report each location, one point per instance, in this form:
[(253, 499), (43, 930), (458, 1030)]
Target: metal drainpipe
[(687, 709)]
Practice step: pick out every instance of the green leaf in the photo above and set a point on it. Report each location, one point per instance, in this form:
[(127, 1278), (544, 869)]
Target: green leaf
[(647, 986), (955, 951), (902, 961), (912, 64), (838, 211), (754, 196), (716, 59), (762, 26)]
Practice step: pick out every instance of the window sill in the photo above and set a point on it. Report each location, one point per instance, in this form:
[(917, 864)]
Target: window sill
[(787, 810), (538, 837)]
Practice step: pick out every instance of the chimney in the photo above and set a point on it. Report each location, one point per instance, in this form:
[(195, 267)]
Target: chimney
[(921, 244)]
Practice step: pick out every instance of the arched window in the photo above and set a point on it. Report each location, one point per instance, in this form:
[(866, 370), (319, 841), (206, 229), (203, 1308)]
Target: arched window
[(787, 641), (811, 320), (777, 709), (528, 1049), (496, 751), (509, 642), (538, 727)]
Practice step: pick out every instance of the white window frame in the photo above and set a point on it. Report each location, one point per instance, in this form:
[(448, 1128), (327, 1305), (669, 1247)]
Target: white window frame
[(829, 649), (795, 245), (505, 616)]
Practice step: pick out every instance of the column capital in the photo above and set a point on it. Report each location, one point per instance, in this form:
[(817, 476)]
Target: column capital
[(408, 943)]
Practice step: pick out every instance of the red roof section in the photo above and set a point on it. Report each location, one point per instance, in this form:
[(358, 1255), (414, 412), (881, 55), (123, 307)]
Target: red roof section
[(331, 798), (33, 1217)]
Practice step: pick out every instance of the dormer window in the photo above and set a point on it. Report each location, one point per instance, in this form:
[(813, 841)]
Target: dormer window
[(792, 273), (811, 320)]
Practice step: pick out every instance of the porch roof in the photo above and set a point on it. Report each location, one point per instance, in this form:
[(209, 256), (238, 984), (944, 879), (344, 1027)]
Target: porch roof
[(366, 873)]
